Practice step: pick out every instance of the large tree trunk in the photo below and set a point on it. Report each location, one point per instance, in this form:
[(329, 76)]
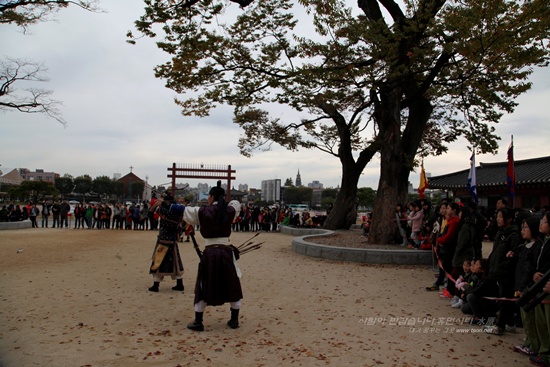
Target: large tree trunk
[(397, 154), (392, 189), (344, 212)]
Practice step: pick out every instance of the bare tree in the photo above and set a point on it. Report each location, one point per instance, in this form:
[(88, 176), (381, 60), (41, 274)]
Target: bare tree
[(29, 100)]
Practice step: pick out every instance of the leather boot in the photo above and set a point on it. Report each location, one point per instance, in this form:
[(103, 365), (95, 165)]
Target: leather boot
[(234, 322), (155, 287), (179, 285), (197, 324)]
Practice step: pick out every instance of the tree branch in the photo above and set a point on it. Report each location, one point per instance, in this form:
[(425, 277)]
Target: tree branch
[(393, 8), (371, 9), (25, 12), (12, 71)]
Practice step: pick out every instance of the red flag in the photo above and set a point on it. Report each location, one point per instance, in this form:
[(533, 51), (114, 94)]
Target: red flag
[(510, 172), (423, 182)]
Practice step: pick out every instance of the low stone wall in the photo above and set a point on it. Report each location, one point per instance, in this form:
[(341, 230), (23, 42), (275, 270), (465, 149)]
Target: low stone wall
[(294, 231), (15, 225), (369, 256)]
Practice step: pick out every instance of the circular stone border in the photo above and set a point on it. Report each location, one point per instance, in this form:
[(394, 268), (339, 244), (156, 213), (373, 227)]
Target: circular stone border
[(361, 255), (15, 225)]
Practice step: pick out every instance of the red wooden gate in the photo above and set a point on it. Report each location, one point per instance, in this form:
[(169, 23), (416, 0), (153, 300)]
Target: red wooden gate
[(201, 171)]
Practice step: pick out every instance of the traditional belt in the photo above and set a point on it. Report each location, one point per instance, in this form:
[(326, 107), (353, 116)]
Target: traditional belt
[(216, 246)]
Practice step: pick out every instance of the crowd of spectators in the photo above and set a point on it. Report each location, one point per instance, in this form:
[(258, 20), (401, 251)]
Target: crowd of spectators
[(487, 289), (136, 216), (253, 218), (60, 214)]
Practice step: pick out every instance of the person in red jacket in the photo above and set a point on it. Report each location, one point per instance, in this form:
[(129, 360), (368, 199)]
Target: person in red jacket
[(446, 244)]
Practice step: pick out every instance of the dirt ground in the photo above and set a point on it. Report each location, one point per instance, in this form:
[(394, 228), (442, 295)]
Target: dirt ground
[(79, 298)]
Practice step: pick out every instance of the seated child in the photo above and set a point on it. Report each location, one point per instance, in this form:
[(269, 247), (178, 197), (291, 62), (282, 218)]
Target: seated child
[(461, 283), (473, 299)]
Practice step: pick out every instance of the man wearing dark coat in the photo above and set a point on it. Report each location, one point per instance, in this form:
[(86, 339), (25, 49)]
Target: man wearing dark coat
[(218, 276)]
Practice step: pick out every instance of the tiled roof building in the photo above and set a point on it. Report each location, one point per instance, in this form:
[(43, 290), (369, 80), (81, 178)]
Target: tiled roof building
[(532, 182)]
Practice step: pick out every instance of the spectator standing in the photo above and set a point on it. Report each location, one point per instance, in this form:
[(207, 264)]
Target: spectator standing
[(446, 245), (64, 210), (116, 216), (33, 214), (542, 311), (106, 216), (77, 215), (144, 217), (45, 214), (415, 217), (500, 269), (89, 216), (525, 270), (401, 221), (55, 215)]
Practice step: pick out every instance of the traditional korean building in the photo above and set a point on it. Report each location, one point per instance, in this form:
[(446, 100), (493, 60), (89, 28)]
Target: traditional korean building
[(532, 183)]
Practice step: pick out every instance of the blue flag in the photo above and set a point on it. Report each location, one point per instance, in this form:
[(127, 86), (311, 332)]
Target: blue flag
[(471, 186)]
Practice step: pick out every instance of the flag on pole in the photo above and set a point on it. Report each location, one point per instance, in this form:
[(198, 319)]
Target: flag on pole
[(510, 172), (472, 181), (423, 182)]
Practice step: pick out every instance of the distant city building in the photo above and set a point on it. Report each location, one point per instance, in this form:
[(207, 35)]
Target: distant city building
[(243, 187), (203, 187), (38, 175), (253, 195), (271, 190), (317, 197), (13, 177), (202, 196), (298, 182), (315, 185)]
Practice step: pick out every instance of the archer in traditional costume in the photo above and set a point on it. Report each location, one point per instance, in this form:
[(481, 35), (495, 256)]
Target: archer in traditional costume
[(218, 275), (166, 257)]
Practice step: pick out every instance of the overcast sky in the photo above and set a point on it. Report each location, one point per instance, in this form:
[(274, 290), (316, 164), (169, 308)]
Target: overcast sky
[(119, 115)]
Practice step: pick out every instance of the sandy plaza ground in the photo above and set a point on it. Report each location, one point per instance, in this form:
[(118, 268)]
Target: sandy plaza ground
[(79, 298)]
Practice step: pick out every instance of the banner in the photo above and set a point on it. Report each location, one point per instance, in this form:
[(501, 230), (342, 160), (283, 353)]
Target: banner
[(423, 183), (472, 181), (510, 172)]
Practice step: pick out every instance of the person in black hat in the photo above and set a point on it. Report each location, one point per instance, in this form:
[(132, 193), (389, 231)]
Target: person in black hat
[(218, 276), (166, 257)]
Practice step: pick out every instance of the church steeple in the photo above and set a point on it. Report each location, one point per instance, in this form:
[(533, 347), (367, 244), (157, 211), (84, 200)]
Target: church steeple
[(298, 179)]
